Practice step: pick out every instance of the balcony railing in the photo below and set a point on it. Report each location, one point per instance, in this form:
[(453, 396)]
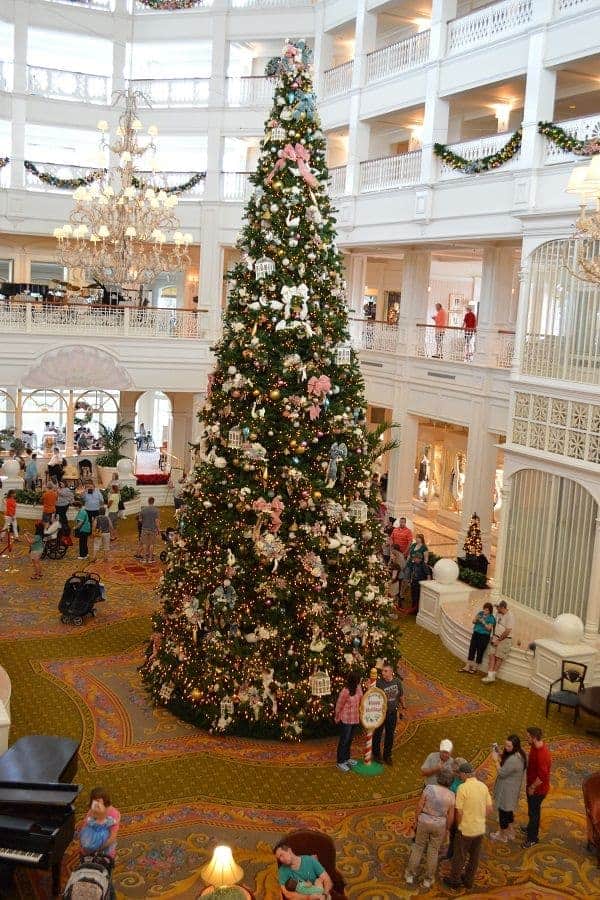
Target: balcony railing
[(399, 57), (135, 5), (505, 351), (489, 24), (338, 80), (390, 172), (454, 344), (235, 186), (61, 85), (5, 175), (269, 4), (251, 90), (5, 75), (369, 334), (337, 181), (472, 150), (91, 4), (171, 179), (59, 170), (169, 92), (572, 7), (583, 129), (84, 319)]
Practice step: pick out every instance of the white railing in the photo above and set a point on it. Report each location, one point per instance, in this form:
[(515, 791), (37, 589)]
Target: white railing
[(5, 75), (250, 90), (572, 7), (143, 8), (338, 80), (5, 174), (168, 92), (505, 349), (235, 186), (92, 4), (489, 24), (268, 4), (83, 319), (337, 181), (583, 129), (480, 147), (445, 343), (390, 172), (368, 334), (61, 85), (399, 57), (58, 170), (173, 179)]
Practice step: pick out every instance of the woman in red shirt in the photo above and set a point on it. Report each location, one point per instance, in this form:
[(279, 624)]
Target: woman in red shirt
[(347, 715), (10, 515)]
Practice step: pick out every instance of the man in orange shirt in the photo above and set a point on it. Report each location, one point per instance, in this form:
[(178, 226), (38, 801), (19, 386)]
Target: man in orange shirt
[(49, 498), (401, 536), (440, 318)]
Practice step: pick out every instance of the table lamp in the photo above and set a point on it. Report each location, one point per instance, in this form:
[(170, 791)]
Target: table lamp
[(222, 871)]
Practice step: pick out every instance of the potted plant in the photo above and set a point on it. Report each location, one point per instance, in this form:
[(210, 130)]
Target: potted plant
[(113, 439)]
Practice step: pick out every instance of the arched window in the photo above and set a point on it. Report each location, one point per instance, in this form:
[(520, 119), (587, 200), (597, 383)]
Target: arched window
[(45, 417), (93, 407), (549, 543), (7, 410)]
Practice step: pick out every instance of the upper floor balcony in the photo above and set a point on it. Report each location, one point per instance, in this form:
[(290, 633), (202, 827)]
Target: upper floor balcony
[(398, 57), (250, 90), (390, 172), (64, 172), (59, 84), (487, 25), (173, 92)]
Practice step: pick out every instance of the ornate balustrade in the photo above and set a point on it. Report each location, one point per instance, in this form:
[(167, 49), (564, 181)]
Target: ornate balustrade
[(500, 20), (84, 319), (369, 334), (58, 170), (235, 186), (505, 349), (583, 129), (61, 85), (135, 5), (337, 80), (170, 92), (106, 5), (445, 343), (337, 181), (399, 57), (475, 149), (250, 90), (268, 4), (390, 172), (572, 7)]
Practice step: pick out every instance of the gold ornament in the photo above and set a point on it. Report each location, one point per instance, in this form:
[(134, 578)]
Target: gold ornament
[(275, 394), (293, 443), (256, 392), (317, 495), (253, 436), (195, 694), (300, 449)]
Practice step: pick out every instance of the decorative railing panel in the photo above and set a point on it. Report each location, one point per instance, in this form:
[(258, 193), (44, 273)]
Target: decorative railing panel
[(572, 7), (505, 349), (60, 85), (390, 172), (90, 4), (252, 90), (471, 150), (399, 57), (337, 181), (583, 129), (489, 24), (83, 319), (169, 92), (337, 80), (452, 344), (367, 334), (269, 4), (235, 186)]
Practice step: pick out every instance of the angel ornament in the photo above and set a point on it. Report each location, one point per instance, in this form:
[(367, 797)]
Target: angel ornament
[(337, 455)]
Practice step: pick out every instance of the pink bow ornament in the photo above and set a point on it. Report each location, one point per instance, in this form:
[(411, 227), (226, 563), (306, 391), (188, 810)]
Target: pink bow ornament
[(301, 156)]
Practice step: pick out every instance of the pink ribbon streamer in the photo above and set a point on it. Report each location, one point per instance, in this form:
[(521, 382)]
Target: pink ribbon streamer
[(301, 156), (273, 509), (319, 386)]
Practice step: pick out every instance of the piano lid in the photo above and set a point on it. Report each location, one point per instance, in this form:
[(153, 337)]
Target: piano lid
[(37, 758)]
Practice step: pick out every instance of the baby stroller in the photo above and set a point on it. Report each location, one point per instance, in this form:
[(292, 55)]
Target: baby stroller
[(90, 880), (168, 537), (80, 594)]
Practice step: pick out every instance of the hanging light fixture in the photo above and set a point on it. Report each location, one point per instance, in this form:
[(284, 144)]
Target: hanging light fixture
[(585, 182), (122, 230)]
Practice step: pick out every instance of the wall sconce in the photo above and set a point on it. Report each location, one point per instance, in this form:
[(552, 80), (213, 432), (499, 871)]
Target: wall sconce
[(415, 142), (422, 23), (502, 112)]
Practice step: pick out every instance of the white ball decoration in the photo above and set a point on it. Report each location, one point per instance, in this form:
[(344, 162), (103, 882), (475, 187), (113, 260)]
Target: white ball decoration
[(125, 467), (568, 629), (11, 468), (445, 571)]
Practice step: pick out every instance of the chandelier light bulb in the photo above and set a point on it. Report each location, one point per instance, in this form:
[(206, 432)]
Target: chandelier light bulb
[(188, 238), (58, 234), (102, 125), (103, 231), (136, 125), (125, 157), (130, 192), (178, 237), (108, 190), (153, 131), (130, 231), (67, 229), (94, 238), (80, 194)]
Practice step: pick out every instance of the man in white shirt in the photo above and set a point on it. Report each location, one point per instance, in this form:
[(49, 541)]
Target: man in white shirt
[(501, 641)]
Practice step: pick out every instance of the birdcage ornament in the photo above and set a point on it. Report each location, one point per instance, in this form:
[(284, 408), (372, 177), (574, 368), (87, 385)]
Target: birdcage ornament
[(358, 510), (320, 684), (264, 267), (343, 355), (278, 133), (227, 708), (235, 438)]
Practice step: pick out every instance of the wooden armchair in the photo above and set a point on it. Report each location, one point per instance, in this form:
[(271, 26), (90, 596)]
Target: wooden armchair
[(571, 683), (315, 843)]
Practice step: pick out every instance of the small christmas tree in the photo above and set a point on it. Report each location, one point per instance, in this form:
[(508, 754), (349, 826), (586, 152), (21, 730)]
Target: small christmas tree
[(473, 545), (275, 588)]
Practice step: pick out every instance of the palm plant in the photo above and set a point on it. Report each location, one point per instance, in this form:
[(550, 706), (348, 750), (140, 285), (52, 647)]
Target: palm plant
[(114, 439)]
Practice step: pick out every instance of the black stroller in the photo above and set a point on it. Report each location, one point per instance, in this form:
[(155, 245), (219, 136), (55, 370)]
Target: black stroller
[(91, 880), (80, 594)]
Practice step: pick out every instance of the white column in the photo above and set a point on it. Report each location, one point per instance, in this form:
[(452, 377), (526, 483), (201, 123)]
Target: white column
[(592, 616), (359, 132), (356, 284), (401, 474), (323, 49), (127, 404), (496, 300), (435, 119), (211, 270), (501, 542), (70, 426), (220, 55), (540, 90), (19, 104), (478, 495), (416, 267), (364, 41), (182, 405), (214, 153)]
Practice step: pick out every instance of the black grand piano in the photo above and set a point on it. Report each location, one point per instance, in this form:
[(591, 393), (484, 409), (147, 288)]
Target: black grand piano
[(37, 813)]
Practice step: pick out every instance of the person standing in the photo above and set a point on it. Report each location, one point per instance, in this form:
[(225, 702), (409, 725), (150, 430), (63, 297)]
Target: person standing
[(49, 498), (473, 804), (401, 536), (392, 687), (102, 535), (538, 783), (178, 489), (150, 521), (31, 472), (83, 528), (56, 465), (433, 820), (10, 514), (501, 641), (36, 548), (437, 762), (92, 500), (469, 327), (112, 508), (347, 715), (65, 498), (483, 622), (510, 765), (440, 317)]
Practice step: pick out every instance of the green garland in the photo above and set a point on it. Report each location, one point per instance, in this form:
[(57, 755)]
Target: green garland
[(172, 4), (68, 183), (484, 163), (195, 179), (567, 142)]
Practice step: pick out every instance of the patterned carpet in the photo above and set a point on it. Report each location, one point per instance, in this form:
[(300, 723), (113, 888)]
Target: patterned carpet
[(180, 791)]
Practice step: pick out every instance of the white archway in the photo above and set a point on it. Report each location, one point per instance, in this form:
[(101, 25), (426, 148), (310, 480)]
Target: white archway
[(154, 431)]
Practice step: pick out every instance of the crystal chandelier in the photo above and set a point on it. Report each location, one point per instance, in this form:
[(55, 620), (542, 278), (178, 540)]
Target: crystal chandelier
[(585, 181), (119, 230)]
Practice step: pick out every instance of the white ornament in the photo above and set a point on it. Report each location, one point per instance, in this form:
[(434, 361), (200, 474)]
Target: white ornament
[(358, 510), (320, 684), (343, 355), (445, 571), (264, 267), (235, 437)]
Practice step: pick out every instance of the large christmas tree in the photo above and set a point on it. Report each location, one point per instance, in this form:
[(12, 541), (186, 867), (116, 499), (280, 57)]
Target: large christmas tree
[(274, 588)]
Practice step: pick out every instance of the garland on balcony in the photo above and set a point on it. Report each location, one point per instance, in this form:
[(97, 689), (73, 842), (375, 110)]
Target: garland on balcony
[(195, 179), (567, 142), (67, 183), (171, 4), (4, 161), (484, 163)]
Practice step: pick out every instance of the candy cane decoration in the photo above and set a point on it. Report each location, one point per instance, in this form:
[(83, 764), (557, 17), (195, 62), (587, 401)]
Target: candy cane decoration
[(369, 743)]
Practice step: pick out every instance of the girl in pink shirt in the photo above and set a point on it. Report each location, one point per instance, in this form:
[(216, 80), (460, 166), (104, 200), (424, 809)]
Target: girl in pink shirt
[(347, 716), (101, 814)]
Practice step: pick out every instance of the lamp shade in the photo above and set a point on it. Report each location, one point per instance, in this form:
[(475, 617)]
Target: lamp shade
[(578, 176), (222, 870)]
